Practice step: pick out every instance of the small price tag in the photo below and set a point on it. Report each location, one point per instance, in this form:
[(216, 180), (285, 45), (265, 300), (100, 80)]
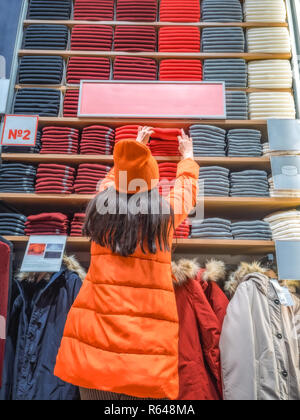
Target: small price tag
[(283, 294), (19, 130)]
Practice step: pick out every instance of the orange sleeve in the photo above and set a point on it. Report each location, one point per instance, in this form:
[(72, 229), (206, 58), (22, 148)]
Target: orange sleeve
[(183, 197), (108, 181)]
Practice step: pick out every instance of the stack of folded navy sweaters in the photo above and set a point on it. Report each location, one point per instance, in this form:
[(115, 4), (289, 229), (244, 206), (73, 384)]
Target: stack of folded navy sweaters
[(49, 9), (46, 37), (12, 224), (37, 101), (25, 149), (41, 70), (17, 178)]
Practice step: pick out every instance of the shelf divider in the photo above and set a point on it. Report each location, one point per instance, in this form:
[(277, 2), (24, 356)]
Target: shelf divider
[(183, 246)]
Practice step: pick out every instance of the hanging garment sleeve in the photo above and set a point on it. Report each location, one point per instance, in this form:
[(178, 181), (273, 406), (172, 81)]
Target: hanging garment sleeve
[(237, 346)]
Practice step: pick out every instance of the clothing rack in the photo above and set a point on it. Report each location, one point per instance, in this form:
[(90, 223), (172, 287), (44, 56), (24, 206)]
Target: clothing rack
[(232, 207)]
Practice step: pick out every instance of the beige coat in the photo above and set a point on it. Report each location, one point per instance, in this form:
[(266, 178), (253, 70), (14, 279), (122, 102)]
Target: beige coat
[(260, 343)]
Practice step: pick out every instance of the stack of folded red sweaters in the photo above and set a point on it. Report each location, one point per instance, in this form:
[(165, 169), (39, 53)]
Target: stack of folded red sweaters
[(59, 140), (89, 177), (87, 68), (167, 176), (126, 132), (137, 10), (135, 68), (77, 224), (180, 70), (164, 142), (94, 10), (54, 179), (71, 103), (92, 38), (179, 39), (97, 140), (135, 38), (179, 11), (47, 224), (183, 230)]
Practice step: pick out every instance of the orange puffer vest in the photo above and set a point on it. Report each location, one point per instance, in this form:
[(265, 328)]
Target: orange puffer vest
[(122, 331)]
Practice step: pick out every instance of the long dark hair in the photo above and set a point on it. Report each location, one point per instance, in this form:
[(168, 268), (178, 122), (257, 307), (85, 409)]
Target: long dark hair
[(122, 222)]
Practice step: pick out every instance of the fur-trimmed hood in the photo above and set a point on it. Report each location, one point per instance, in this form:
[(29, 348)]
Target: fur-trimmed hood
[(69, 262), (184, 270), (246, 271)]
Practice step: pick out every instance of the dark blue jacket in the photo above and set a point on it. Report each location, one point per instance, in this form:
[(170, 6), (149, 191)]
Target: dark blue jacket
[(35, 330)]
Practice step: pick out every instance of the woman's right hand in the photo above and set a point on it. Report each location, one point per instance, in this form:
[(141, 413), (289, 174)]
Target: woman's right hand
[(144, 134), (186, 146)]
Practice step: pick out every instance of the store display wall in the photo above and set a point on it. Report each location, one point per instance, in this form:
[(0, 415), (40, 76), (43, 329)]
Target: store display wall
[(198, 41)]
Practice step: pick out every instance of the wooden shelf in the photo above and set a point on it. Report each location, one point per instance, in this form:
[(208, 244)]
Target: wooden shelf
[(180, 245), (157, 55), (71, 23), (228, 162), (233, 207), (154, 122), (63, 89)]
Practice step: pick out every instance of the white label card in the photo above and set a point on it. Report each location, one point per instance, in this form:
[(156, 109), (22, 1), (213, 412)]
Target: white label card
[(283, 294), (19, 130), (44, 254)]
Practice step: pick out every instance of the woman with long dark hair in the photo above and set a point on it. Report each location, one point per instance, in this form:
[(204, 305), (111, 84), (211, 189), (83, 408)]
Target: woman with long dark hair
[(121, 336)]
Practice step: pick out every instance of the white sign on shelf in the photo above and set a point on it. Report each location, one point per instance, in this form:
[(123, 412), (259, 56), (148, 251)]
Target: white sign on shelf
[(286, 172), (19, 130), (44, 254), (284, 135), (288, 261)]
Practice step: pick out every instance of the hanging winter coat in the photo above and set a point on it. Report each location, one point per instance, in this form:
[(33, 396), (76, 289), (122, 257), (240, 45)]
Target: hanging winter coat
[(6, 252), (260, 340), (209, 276), (199, 333), (36, 325)]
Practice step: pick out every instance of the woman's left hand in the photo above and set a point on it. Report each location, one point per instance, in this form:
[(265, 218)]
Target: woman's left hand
[(144, 134)]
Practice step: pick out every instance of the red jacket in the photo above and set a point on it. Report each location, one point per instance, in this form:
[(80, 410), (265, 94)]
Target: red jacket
[(5, 273), (199, 333)]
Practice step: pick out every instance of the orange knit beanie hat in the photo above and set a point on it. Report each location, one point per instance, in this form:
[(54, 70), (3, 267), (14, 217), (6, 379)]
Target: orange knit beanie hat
[(136, 170)]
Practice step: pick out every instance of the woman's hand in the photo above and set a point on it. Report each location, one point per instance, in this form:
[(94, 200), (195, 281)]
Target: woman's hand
[(186, 146), (144, 134)]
